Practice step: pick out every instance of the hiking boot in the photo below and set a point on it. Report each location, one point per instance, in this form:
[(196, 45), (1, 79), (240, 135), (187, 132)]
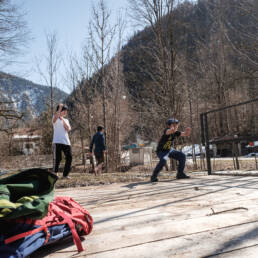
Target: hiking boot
[(182, 176), (153, 180), (66, 177)]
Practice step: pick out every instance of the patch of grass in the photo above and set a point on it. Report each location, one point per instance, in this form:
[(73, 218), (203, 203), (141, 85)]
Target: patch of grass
[(86, 179), (80, 176)]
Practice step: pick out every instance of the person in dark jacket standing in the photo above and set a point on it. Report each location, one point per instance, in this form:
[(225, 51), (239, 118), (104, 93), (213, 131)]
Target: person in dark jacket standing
[(100, 148), (165, 150)]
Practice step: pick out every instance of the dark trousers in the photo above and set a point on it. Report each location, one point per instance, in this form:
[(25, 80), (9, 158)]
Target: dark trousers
[(57, 157), (99, 157), (163, 156)]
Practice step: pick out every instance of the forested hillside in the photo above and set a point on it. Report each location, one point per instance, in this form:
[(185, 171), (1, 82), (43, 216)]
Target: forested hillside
[(203, 56), (186, 59)]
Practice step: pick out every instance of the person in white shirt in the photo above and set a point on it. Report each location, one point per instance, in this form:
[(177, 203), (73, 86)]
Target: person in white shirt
[(61, 142)]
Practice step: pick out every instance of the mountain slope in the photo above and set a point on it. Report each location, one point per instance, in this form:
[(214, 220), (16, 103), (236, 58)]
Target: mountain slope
[(27, 96), (208, 61)]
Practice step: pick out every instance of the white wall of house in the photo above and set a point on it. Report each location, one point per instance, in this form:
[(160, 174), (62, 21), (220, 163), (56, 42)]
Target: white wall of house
[(28, 144)]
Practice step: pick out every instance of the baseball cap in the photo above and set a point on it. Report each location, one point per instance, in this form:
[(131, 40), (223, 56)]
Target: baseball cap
[(99, 128), (172, 121), (64, 107)]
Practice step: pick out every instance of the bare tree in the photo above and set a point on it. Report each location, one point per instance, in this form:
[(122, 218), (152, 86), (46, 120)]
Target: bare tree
[(13, 30), (82, 97), (8, 116), (52, 60), (164, 94), (246, 31), (101, 35), (119, 95), (119, 113), (49, 73), (13, 36), (223, 70), (243, 38), (9, 119)]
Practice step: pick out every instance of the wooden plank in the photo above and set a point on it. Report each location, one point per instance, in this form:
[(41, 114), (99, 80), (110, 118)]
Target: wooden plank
[(168, 219)]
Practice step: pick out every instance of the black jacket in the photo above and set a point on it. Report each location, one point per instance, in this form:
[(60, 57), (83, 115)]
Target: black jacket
[(99, 141)]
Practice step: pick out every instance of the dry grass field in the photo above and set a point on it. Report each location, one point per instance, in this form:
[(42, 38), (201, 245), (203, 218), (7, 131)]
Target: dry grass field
[(80, 175)]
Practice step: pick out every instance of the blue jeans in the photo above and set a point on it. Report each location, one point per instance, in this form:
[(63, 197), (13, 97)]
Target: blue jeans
[(163, 157)]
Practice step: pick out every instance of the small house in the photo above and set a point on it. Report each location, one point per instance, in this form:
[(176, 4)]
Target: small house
[(26, 141)]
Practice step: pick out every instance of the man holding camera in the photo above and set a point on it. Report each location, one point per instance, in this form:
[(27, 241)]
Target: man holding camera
[(61, 141)]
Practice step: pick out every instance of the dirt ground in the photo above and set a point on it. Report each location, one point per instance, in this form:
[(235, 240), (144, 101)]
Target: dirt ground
[(80, 175), (205, 216), (25, 161)]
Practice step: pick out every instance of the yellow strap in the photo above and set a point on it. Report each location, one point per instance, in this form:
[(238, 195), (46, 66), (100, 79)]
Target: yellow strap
[(7, 207)]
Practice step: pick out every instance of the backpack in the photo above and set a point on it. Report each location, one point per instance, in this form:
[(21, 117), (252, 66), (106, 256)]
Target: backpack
[(21, 237), (27, 193)]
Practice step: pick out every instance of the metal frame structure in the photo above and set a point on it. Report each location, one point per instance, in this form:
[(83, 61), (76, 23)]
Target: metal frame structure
[(205, 130)]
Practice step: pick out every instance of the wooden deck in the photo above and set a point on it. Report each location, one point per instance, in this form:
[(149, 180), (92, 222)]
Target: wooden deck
[(199, 217)]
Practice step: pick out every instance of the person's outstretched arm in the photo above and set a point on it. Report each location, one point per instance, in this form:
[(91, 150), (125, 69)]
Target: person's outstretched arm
[(187, 132)]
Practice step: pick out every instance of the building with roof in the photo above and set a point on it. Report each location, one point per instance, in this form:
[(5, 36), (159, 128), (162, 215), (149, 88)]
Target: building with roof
[(26, 141)]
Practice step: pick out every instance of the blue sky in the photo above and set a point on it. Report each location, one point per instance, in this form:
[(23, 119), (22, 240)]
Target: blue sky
[(69, 18)]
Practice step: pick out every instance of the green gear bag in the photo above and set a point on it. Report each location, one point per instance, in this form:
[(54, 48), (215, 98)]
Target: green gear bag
[(27, 193)]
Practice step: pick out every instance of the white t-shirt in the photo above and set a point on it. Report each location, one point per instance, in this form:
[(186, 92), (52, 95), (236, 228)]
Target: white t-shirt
[(60, 134)]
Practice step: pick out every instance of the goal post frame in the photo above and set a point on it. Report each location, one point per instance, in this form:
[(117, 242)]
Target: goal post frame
[(205, 129)]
